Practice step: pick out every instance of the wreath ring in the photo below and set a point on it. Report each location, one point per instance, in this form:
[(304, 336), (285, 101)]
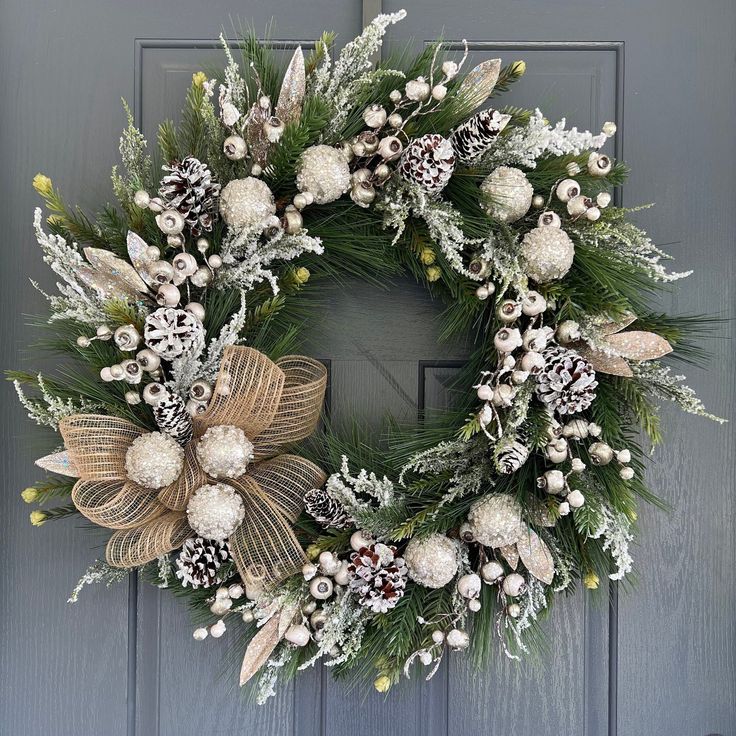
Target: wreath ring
[(186, 431)]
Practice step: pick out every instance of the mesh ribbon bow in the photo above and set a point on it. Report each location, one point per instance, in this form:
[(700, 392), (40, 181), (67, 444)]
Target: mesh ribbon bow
[(275, 404)]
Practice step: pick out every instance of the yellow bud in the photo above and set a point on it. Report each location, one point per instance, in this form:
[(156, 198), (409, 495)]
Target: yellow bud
[(37, 518), (382, 683), (302, 275), (55, 220), (42, 184), (29, 495), (313, 551), (427, 256), (632, 515), (518, 68), (433, 274), (591, 580), (199, 78)]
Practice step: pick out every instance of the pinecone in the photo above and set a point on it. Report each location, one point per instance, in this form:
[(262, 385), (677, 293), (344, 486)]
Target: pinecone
[(172, 417), (171, 332), (325, 510), (377, 577), (199, 562), (476, 135), (511, 458), (567, 382), (428, 161), (191, 190)]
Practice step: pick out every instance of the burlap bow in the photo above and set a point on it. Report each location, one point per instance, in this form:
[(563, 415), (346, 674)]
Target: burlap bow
[(275, 404)]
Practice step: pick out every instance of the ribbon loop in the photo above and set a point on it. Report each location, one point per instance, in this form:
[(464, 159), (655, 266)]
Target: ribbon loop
[(116, 504), (97, 444), (142, 544)]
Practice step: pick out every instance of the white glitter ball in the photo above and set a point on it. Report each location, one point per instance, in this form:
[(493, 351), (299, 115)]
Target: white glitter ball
[(432, 561), (246, 202), (224, 451), (495, 521), (215, 511), (507, 194), (154, 460), (547, 253), (324, 173)]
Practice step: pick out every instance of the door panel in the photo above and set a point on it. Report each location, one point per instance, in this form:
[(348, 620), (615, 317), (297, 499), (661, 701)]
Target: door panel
[(122, 661)]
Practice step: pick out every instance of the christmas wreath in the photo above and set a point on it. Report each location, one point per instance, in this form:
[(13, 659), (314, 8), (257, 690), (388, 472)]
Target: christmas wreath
[(192, 430)]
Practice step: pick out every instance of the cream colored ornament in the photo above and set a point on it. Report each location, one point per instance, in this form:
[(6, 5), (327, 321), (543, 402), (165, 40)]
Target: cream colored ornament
[(432, 560), (246, 203), (496, 520), (547, 253), (324, 173), (506, 194)]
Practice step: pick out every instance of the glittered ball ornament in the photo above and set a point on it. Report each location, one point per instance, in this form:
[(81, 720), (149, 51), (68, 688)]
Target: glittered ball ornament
[(324, 173), (246, 203), (154, 460), (224, 451), (215, 511), (547, 253), (431, 561), (495, 521), (506, 194)]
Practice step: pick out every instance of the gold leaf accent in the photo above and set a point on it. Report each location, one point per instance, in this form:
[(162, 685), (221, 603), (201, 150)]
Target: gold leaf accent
[(477, 86), (536, 557), (639, 345), (511, 555), (259, 649), (609, 328), (602, 361), (293, 89)]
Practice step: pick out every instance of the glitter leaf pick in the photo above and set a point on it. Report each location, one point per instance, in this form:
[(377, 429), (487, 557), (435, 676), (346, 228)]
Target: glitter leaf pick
[(293, 89), (638, 345), (511, 555), (476, 88), (138, 254), (259, 649), (604, 362), (536, 557), (59, 463)]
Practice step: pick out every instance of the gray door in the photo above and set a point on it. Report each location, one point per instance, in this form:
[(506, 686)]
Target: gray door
[(122, 661)]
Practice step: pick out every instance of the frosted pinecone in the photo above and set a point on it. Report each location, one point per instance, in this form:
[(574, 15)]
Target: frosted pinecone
[(377, 577), (325, 510), (567, 382), (475, 136), (191, 189), (511, 458), (171, 332), (428, 161), (200, 561), (172, 417)]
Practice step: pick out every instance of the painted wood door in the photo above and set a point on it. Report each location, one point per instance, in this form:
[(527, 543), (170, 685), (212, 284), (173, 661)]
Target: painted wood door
[(122, 661)]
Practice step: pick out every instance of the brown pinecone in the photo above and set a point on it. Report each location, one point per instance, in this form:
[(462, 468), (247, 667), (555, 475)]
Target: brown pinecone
[(567, 382), (428, 161), (325, 510), (190, 189), (476, 135), (377, 577), (199, 562)]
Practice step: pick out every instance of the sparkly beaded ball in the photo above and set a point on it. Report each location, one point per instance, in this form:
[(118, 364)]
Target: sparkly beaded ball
[(154, 460), (246, 203), (495, 521), (432, 561), (547, 253), (224, 451), (215, 511), (324, 173), (507, 194)]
